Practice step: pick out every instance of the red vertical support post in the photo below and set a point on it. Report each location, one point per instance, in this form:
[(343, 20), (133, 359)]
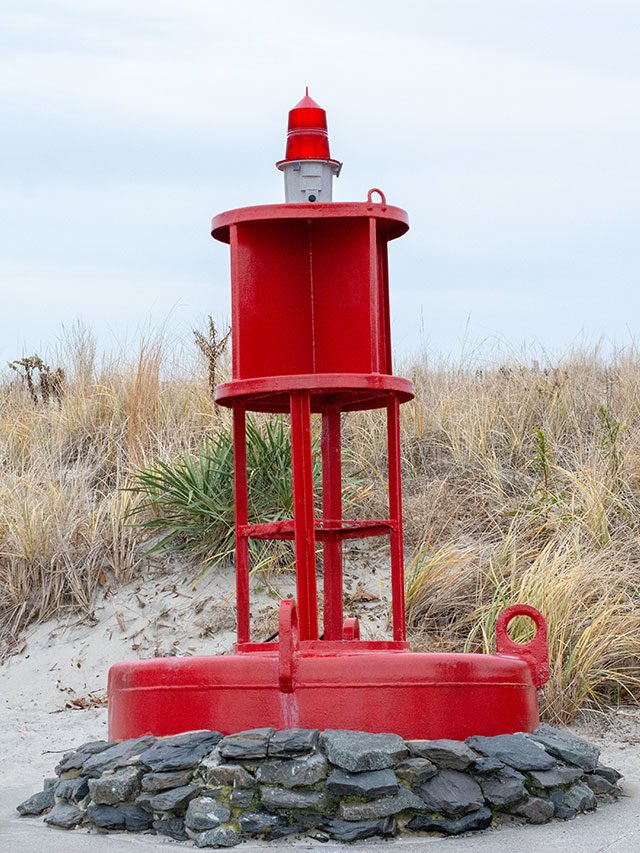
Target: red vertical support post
[(332, 518), (303, 514), (240, 498), (395, 516)]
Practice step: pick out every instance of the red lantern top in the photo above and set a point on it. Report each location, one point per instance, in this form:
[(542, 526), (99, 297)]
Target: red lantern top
[(307, 137)]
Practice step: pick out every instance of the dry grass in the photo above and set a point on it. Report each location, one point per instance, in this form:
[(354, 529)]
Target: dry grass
[(521, 484)]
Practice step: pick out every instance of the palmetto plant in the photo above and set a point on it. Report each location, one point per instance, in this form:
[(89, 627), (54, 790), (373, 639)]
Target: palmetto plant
[(190, 500)]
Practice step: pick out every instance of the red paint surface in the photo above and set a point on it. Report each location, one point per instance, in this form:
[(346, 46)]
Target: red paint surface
[(355, 684)]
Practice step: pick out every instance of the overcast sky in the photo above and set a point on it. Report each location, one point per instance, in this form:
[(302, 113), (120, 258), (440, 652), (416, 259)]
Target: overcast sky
[(509, 130)]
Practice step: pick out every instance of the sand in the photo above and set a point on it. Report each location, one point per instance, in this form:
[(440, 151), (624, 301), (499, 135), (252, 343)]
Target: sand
[(53, 691)]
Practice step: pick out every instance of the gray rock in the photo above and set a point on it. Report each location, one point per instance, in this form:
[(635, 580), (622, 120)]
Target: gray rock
[(515, 750), (504, 787), (114, 757), (559, 809), (608, 773), (180, 751), (293, 772), (480, 819), (543, 779), (173, 827), (74, 759), (119, 787), (240, 798), (247, 745), (349, 830), (384, 807), (51, 782), (154, 782), (65, 815), (223, 836), (106, 817), (600, 785), (580, 797), (174, 800), (570, 748), (283, 798), (451, 793), (416, 770), (73, 790), (135, 818), (266, 825), (486, 765), (143, 800), (212, 772), (129, 817), (37, 803), (361, 751), (205, 813), (535, 810), (288, 743), (444, 753), (375, 783)]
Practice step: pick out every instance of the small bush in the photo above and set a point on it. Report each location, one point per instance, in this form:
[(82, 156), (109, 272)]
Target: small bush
[(191, 500)]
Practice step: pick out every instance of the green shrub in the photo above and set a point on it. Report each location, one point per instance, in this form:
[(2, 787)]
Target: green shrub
[(191, 499)]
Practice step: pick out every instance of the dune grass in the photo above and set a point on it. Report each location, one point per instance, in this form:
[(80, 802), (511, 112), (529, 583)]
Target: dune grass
[(521, 484)]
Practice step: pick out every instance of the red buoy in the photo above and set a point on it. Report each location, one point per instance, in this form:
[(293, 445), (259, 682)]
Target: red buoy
[(312, 334)]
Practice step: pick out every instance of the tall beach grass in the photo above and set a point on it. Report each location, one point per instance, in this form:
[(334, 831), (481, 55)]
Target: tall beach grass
[(521, 484)]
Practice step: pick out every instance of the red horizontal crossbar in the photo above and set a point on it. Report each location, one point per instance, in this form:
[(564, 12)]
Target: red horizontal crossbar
[(347, 530)]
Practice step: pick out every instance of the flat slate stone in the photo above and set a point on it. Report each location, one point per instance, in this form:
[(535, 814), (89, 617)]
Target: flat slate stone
[(135, 818), (247, 745), (515, 750), (487, 765), (154, 782), (608, 773), (444, 753), (240, 798), (504, 787), (223, 836), (362, 751), (266, 825), (451, 793), (416, 770), (559, 809), (580, 797), (350, 830), (205, 813), (114, 757), (555, 777), (37, 803), (570, 748), (73, 790), (374, 783), (118, 787), (288, 743), (535, 810), (293, 772), (74, 759), (172, 827), (213, 772), (51, 782), (480, 819), (106, 817), (283, 798), (600, 785), (384, 807), (64, 815), (180, 751), (174, 800)]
